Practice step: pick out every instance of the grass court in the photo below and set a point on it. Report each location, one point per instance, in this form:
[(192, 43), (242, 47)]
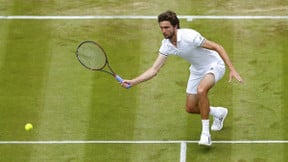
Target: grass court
[(73, 109)]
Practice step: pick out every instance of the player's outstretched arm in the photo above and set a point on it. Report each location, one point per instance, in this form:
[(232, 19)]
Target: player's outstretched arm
[(148, 74)]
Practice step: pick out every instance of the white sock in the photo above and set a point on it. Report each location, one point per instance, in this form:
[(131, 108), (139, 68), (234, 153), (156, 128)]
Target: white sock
[(213, 111), (205, 126)]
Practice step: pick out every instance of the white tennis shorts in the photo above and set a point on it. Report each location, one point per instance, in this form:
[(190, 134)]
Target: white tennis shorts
[(217, 69)]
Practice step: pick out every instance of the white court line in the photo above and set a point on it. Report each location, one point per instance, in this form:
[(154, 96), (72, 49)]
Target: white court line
[(187, 17), (183, 151), (145, 142), (183, 144)]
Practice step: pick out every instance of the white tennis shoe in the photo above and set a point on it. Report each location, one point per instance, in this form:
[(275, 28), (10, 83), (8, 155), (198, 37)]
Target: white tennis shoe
[(205, 140), (219, 119)]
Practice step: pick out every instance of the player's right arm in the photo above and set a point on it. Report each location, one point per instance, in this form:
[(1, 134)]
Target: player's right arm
[(148, 74)]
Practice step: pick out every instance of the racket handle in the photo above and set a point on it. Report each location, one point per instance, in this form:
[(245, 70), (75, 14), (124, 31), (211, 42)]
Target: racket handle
[(119, 79)]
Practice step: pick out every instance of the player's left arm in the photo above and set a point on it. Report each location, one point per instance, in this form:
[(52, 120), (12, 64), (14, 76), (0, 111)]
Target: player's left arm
[(223, 54)]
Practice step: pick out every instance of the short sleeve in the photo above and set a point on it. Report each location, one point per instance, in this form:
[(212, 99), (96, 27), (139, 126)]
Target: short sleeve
[(164, 49), (199, 40)]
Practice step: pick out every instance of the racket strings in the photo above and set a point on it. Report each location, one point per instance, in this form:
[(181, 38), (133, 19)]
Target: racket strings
[(91, 56)]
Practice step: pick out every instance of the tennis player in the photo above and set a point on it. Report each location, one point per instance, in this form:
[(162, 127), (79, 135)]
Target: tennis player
[(207, 60)]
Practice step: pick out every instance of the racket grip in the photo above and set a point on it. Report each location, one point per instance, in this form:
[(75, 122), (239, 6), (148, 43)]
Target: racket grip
[(119, 79)]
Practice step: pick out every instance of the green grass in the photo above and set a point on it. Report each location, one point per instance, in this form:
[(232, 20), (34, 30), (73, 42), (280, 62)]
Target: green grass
[(240, 152), (42, 82)]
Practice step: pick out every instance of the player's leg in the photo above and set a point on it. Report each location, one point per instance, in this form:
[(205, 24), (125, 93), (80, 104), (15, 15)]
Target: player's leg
[(200, 84), (205, 85), (202, 94), (219, 113), (192, 104)]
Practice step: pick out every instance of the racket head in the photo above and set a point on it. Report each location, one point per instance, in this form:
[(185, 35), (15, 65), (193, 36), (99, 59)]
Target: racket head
[(91, 55)]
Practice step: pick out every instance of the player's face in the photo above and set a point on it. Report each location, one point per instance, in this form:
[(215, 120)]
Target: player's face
[(168, 30)]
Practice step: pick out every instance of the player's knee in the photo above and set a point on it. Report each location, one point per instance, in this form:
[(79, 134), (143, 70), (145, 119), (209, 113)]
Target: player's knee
[(201, 92), (191, 109)]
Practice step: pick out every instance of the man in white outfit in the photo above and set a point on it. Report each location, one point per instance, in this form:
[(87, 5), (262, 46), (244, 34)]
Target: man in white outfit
[(207, 60)]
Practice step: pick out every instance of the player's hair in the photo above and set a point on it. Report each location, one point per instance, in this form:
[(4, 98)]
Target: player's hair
[(169, 16)]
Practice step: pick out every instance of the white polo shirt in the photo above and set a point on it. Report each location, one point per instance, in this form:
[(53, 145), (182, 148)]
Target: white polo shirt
[(189, 44)]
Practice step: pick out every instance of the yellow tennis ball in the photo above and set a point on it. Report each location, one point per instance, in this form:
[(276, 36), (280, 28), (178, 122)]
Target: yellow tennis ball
[(28, 126)]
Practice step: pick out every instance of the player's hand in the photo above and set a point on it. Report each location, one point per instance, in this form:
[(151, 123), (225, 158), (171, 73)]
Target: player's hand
[(127, 83), (234, 74)]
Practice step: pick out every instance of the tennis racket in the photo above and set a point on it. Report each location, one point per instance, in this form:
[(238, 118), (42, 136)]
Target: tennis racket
[(93, 57)]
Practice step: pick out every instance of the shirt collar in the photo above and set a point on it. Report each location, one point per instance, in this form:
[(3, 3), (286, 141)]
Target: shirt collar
[(179, 35)]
